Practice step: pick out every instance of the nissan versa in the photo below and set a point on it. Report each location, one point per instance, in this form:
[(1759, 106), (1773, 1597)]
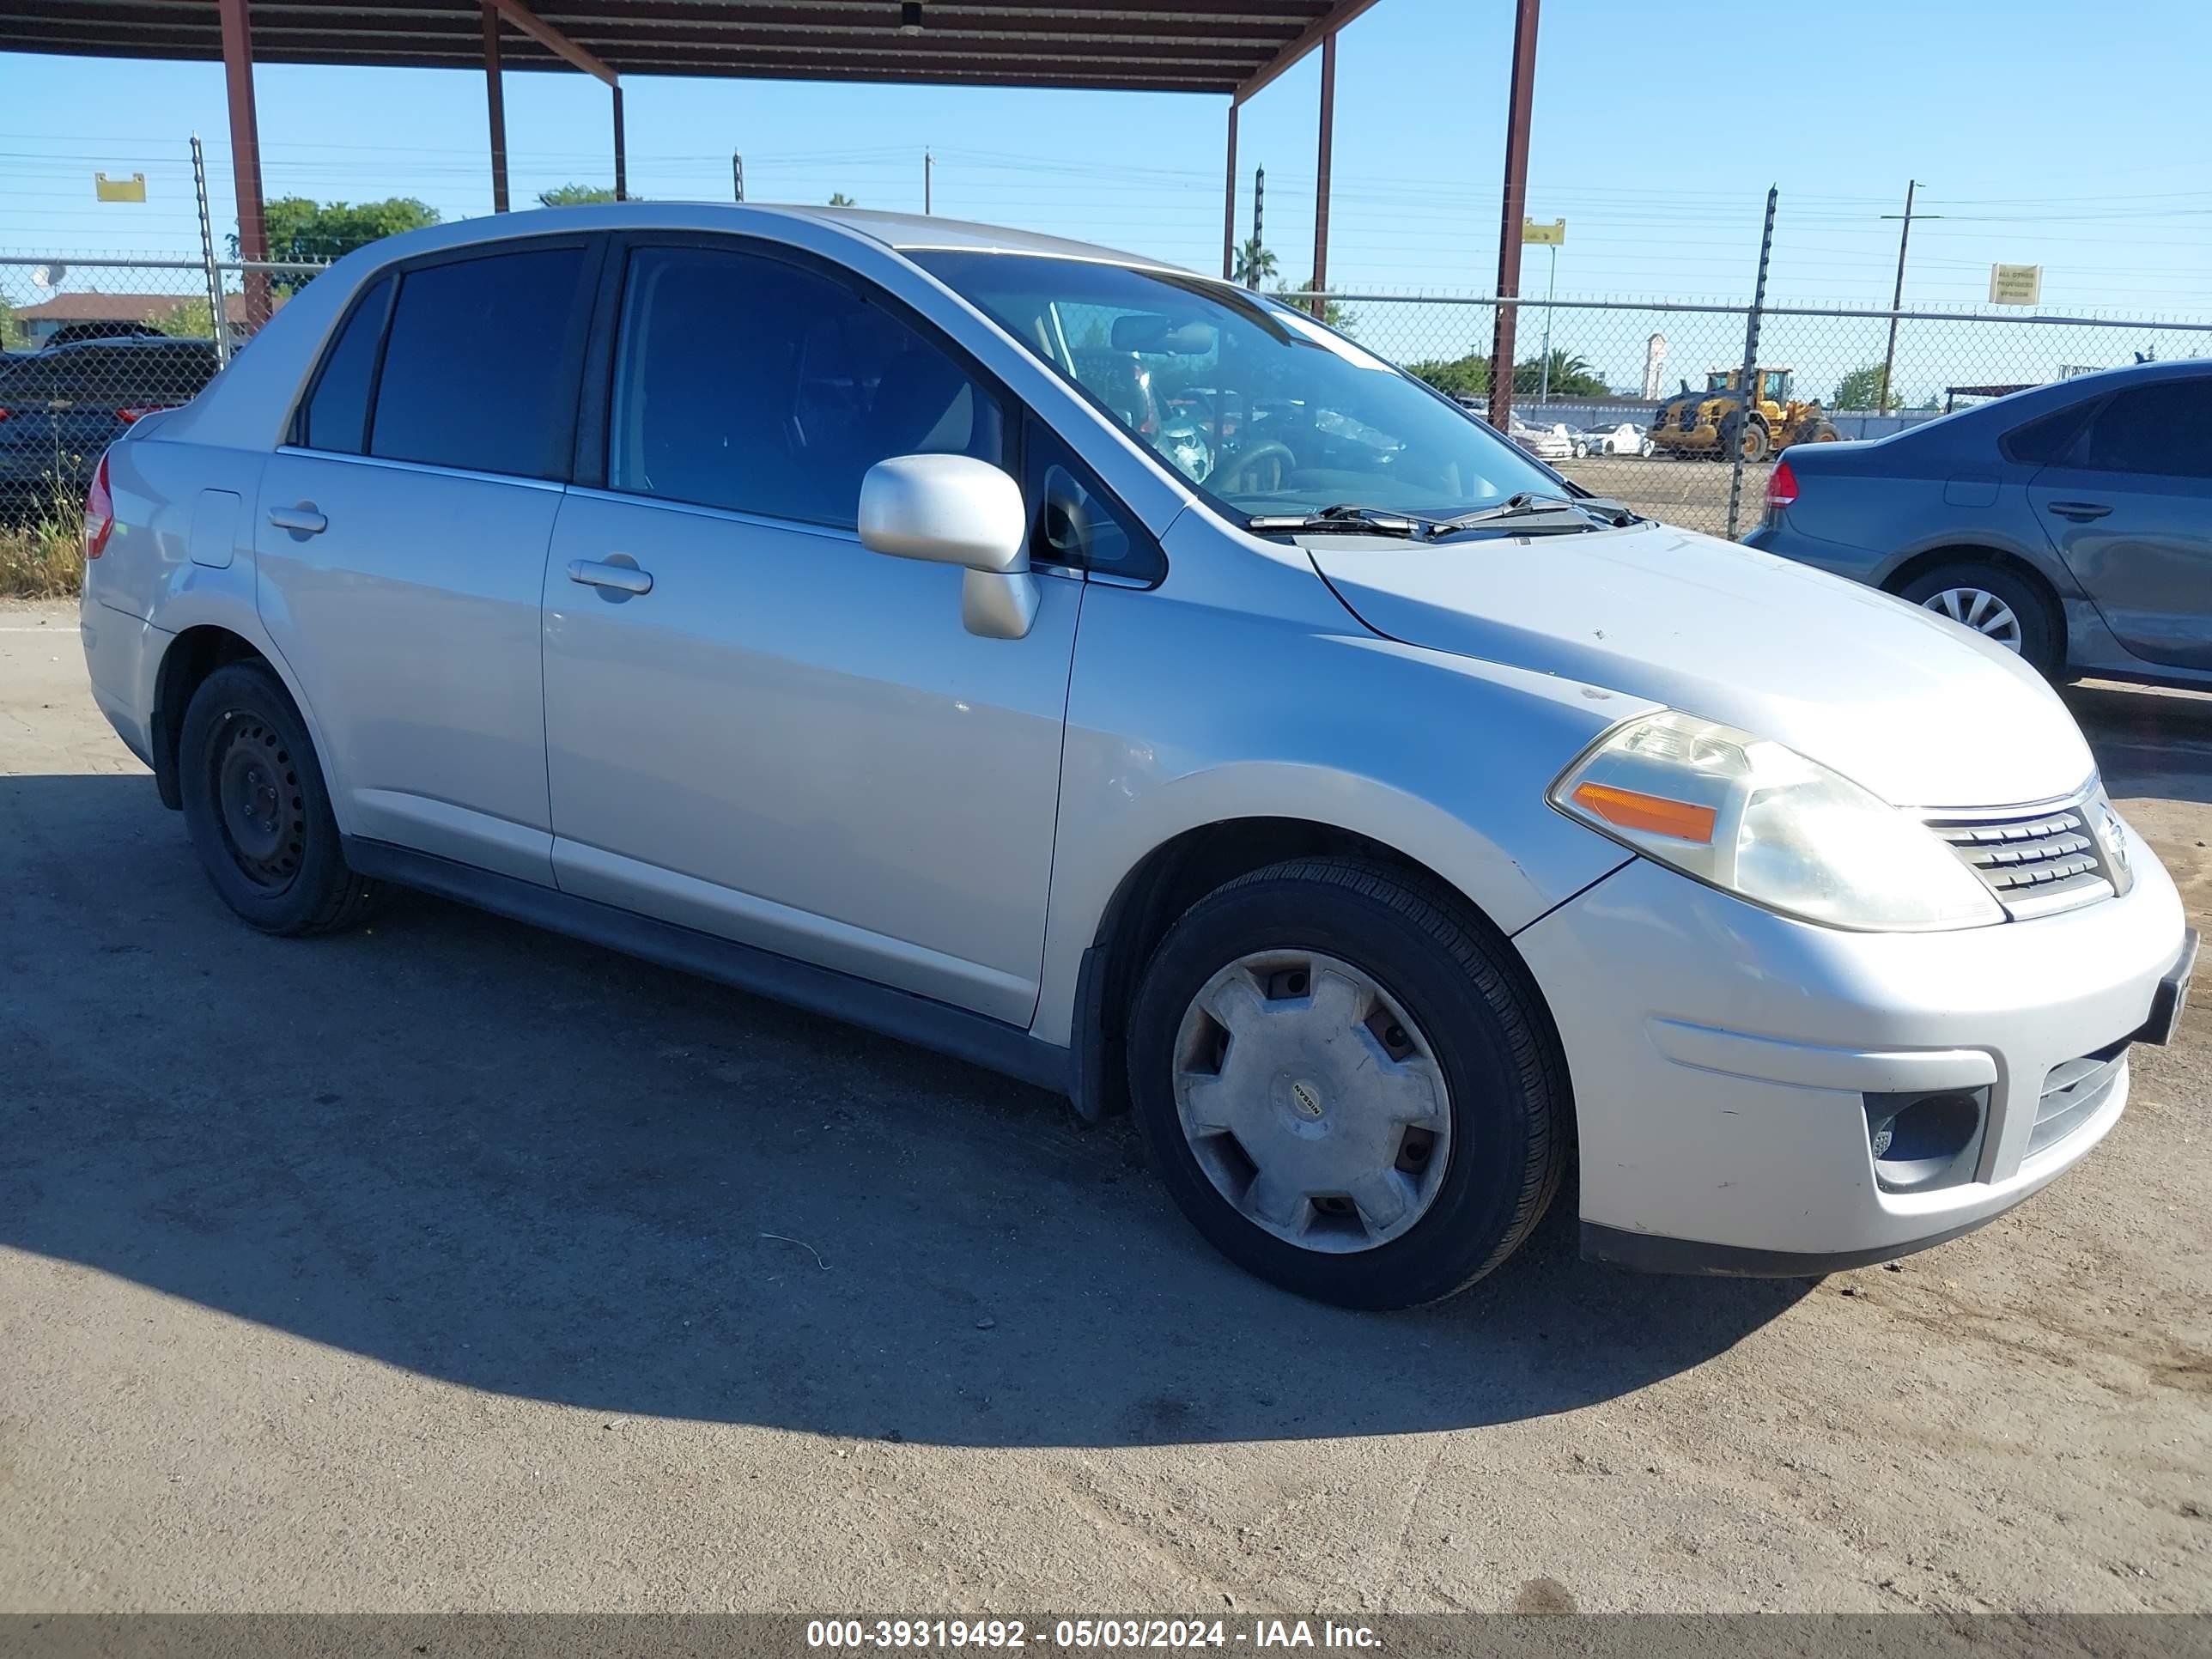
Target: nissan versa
[(1120, 680)]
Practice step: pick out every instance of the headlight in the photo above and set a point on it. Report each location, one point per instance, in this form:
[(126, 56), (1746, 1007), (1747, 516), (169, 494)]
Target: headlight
[(1762, 822)]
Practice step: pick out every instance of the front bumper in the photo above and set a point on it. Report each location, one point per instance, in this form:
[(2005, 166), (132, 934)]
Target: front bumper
[(1721, 1056)]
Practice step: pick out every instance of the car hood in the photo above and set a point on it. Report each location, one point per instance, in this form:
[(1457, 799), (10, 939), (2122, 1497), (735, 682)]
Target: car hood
[(1905, 702)]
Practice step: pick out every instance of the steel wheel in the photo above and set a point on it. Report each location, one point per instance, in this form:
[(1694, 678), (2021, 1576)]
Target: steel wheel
[(1312, 1101), (262, 809), (1980, 610)]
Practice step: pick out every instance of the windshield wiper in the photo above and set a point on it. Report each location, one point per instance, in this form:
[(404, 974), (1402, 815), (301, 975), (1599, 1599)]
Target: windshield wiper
[(1346, 517), (1529, 505)]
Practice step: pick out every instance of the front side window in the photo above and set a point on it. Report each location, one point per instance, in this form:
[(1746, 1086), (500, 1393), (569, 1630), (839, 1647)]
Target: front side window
[(2163, 429), (478, 367), (1252, 401), (746, 382)]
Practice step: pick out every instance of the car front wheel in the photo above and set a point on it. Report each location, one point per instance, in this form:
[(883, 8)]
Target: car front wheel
[(1348, 1085)]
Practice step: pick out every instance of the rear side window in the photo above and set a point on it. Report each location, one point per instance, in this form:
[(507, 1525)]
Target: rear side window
[(2041, 442), (479, 362), (336, 416), (748, 383), (2163, 429)]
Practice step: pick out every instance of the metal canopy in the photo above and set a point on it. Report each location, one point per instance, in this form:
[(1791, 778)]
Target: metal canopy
[(1232, 47)]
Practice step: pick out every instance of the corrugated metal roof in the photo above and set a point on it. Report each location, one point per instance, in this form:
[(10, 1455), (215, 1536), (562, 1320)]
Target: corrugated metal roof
[(1156, 45)]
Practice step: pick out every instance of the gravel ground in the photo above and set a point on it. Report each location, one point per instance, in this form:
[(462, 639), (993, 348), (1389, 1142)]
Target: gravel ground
[(452, 1265), (1691, 492)]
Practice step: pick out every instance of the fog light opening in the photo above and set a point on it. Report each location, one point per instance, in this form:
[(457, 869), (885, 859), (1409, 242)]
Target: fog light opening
[(1922, 1141)]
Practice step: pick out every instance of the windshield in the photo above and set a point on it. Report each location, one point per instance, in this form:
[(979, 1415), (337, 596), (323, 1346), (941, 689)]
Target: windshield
[(1257, 404)]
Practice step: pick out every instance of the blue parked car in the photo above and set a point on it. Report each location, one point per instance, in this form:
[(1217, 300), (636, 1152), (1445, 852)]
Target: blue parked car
[(2071, 523)]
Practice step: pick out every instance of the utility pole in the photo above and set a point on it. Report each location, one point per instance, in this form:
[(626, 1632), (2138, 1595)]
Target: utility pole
[(928, 166), (1550, 293), (737, 177), (1259, 213), (1897, 299), (1513, 211)]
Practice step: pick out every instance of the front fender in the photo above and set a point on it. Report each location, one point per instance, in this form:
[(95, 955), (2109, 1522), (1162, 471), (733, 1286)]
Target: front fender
[(1182, 716)]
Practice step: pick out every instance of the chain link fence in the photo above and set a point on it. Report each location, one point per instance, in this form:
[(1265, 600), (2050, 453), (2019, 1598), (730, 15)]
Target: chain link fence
[(92, 345), (1600, 388)]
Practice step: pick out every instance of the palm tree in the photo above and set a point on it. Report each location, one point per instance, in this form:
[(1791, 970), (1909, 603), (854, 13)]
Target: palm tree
[(838, 198), (1254, 264)]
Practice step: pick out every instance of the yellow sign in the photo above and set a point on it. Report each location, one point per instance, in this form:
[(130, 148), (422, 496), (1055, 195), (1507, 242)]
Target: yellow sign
[(2015, 285), (1552, 236), (132, 189)]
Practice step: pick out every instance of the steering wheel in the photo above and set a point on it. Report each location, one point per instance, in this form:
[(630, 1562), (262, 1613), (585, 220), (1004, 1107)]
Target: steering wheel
[(1268, 459)]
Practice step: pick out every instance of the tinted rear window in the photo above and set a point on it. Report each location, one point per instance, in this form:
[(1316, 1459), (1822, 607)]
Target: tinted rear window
[(2044, 440), (479, 367), (336, 415), (2163, 429)]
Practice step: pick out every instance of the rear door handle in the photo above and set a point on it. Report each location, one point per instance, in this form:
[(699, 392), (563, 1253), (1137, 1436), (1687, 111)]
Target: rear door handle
[(2082, 512), (303, 519), (592, 573)]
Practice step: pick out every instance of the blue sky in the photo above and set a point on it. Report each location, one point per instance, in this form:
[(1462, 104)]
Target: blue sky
[(2044, 134)]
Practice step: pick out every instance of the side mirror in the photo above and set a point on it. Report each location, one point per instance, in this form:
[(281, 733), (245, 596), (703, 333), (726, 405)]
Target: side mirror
[(954, 509)]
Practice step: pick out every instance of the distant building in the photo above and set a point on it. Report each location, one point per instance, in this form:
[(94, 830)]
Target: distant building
[(42, 321)]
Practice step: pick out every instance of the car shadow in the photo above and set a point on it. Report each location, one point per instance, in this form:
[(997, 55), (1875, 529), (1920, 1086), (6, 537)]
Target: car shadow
[(524, 1165), (2146, 742)]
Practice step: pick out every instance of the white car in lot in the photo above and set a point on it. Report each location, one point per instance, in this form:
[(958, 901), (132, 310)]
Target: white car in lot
[(1546, 443), (1623, 438), (1382, 819)]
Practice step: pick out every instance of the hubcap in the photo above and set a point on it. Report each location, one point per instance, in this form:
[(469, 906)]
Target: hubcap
[(258, 798), (1312, 1101), (1982, 612)]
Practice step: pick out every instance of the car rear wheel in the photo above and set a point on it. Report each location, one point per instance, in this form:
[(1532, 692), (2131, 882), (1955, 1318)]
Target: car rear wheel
[(1348, 1088), (257, 809), (1995, 604)]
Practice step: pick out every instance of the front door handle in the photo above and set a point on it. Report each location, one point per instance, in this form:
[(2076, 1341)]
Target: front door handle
[(302, 521), (592, 573), (2079, 511)]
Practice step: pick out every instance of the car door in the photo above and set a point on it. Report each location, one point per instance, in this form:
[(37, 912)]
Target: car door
[(2129, 508), (401, 544), (756, 727)]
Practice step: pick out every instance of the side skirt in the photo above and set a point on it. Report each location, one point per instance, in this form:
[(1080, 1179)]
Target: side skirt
[(973, 1037)]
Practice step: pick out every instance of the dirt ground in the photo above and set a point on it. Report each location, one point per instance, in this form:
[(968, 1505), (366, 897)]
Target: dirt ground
[(451, 1265), (1692, 493)]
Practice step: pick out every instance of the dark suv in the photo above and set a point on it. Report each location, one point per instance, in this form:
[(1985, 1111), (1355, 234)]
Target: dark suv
[(2071, 523), (60, 408)]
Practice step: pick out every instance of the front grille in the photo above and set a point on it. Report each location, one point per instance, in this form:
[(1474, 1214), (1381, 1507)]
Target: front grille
[(2074, 1090), (2048, 860)]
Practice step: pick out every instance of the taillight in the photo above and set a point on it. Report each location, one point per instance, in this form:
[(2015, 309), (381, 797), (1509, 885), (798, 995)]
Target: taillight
[(1781, 488), (138, 412), (99, 513)]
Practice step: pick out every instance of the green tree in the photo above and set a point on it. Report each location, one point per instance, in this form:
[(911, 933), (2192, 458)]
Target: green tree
[(1571, 376), (193, 320), (1863, 388), (10, 330), (315, 231), (1337, 316), (1456, 377), (1254, 264), (576, 196), (838, 198)]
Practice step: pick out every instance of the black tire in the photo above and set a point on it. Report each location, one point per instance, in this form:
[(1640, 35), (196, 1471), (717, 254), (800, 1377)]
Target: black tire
[(1818, 432), (257, 811), (2042, 643), (1510, 1103)]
